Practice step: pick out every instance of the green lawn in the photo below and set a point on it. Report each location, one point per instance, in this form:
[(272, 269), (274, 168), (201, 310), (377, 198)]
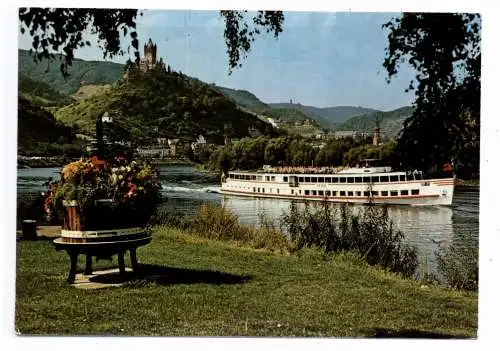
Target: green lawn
[(196, 287)]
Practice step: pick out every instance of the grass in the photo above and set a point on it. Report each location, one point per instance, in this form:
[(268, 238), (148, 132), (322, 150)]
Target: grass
[(193, 286)]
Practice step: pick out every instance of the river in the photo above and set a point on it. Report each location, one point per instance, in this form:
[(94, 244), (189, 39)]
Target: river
[(184, 189)]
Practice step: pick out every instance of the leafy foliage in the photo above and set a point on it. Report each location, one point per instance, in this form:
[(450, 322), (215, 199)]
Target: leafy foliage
[(459, 263), (252, 153), (444, 50), (369, 233), (62, 30), (239, 35)]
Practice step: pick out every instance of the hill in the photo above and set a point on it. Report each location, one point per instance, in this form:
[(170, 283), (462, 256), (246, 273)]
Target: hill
[(332, 115), (38, 132), (93, 72), (162, 104), (243, 98), (40, 93), (292, 114), (391, 122)]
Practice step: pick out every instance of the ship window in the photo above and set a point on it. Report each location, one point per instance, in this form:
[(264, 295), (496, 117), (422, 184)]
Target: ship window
[(263, 190), (254, 177), (301, 179), (259, 178), (314, 180), (349, 193), (415, 192), (350, 179), (418, 176), (342, 193), (384, 179), (394, 178), (258, 190), (285, 179), (358, 180), (314, 192), (402, 178), (335, 180), (277, 191), (334, 193), (404, 192), (366, 193), (320, 192), (375, 179), (384, 193), (267, 178), (231, 175), (292, 191), (394, 193), (300, 191), (248, 177), (374, 193), (366, 180), (328, 180), (321, 180), (327, 193), (273, 178), (254, 189), (306, 192), (358, 193), (307, 179), (342, 180)]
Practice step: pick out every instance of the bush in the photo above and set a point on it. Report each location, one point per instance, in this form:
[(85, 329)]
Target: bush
[(459, 263), (217, 223), (369, 233)]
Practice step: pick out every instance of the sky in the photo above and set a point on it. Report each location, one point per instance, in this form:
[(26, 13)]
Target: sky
[(320, 59)]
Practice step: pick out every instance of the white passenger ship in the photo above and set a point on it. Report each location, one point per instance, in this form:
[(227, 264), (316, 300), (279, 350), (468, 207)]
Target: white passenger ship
[(363, 184)]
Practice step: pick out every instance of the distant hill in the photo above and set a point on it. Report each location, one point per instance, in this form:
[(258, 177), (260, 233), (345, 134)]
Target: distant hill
[(243, 98), (40, 93), (333, 115), (161, 104), (391, 122), (38, 131), (81, 72)]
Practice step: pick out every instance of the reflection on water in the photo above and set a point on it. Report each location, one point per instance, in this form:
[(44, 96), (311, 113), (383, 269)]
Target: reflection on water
[(184, 189)]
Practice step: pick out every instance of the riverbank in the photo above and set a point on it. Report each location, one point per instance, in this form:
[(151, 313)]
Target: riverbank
[(467, 182), (191, 286)]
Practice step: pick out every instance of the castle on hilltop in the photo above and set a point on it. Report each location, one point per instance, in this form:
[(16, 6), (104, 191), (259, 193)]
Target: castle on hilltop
[(148, 62)]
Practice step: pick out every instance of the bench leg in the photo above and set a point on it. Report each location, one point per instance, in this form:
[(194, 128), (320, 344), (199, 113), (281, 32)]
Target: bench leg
[(73, 256), (133, 260), (121, 263), (88, 265)]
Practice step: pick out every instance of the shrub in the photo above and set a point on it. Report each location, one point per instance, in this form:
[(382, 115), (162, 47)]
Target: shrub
[(369, 233), (459, 263), (217, 223)]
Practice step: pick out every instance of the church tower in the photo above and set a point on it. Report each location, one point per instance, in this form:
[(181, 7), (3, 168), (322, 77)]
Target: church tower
[(376, 132)]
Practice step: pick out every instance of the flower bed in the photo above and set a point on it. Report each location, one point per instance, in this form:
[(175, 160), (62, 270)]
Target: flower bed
[(96, 195)]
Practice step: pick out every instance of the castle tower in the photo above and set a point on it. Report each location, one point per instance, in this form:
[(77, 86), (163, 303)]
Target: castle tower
[(150, 52), (376, 132)]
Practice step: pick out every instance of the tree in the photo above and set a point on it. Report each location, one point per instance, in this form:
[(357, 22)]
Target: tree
[(444, 50), (62, 30)]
